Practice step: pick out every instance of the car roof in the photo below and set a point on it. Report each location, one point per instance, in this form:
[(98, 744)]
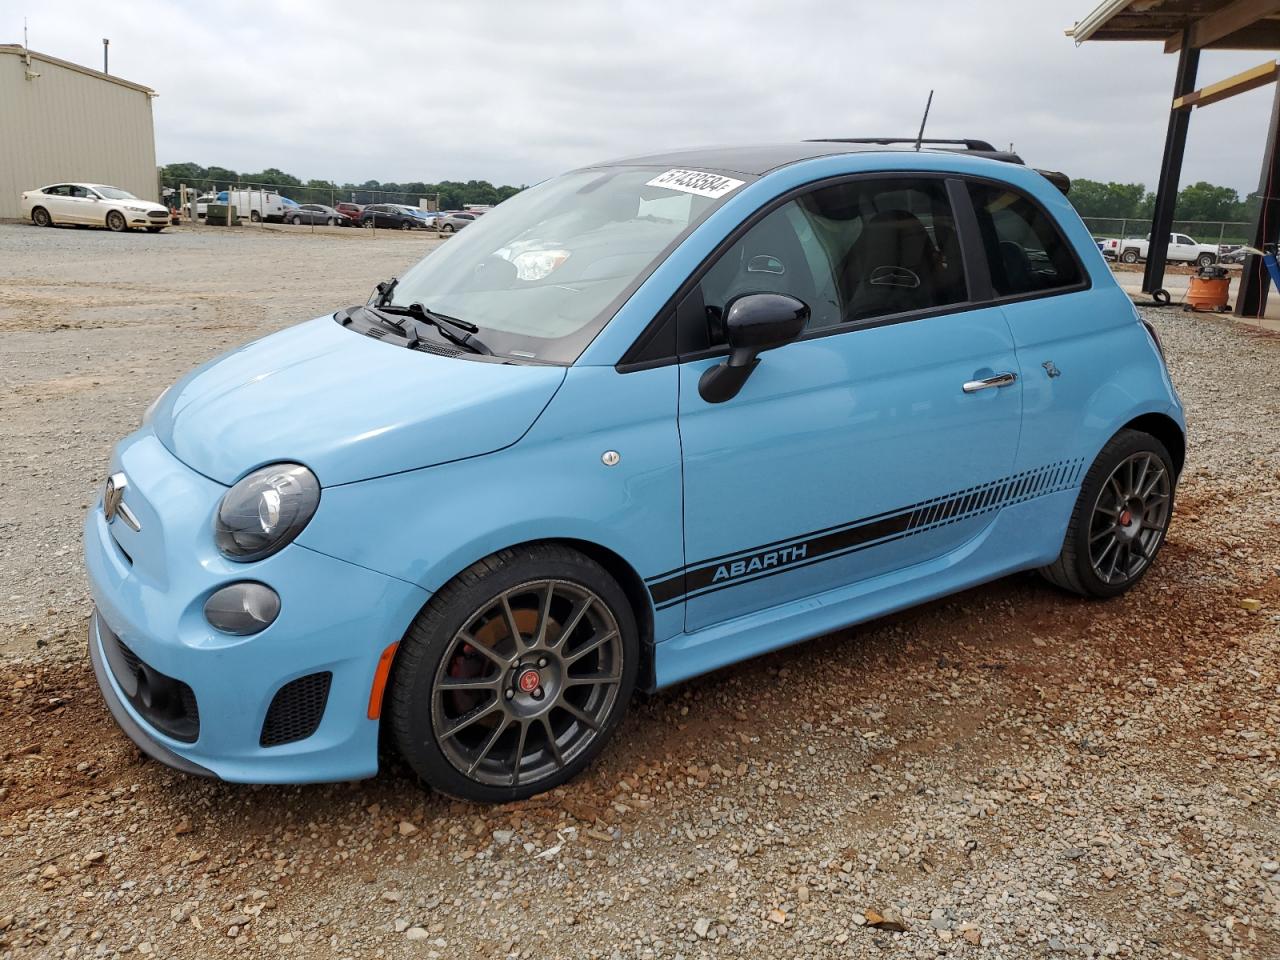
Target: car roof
[(759, 159)]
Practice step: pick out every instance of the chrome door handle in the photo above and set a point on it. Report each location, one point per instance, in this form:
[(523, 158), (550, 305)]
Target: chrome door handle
[(999, 380)]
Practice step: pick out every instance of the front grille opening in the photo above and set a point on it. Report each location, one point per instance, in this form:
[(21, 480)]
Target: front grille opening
[(296, 710), (166, 703)]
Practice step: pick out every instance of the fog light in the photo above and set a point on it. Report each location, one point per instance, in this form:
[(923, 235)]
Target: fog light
[(242, 608)]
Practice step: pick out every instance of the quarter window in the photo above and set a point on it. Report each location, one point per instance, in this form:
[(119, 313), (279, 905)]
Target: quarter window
[(1026, 252), (852, 251)]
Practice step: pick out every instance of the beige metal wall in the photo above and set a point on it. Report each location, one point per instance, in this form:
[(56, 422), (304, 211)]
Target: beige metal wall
[(71, 125)]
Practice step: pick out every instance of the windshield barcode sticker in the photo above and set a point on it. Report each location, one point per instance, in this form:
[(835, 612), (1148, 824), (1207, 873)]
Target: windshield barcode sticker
[(711, 185)]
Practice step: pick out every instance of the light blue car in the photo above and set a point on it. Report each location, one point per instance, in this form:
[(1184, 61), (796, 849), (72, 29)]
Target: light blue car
[(638, 422)]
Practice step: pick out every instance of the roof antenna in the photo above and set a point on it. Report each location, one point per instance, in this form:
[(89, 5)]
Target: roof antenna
[(923, 120)]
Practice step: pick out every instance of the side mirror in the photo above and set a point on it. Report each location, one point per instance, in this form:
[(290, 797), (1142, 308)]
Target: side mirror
[(754, 322)]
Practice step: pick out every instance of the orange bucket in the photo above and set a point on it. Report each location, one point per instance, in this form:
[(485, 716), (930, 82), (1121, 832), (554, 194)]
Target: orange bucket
[(1208, 293)]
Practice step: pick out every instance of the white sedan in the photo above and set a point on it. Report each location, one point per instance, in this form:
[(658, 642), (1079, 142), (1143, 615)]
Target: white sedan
[(95, 204)]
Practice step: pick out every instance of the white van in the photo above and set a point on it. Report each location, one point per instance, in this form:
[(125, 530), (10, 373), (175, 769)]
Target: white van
[(253, 205)]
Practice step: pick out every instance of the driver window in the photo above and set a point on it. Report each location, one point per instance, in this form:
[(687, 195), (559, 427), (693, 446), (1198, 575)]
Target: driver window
[(80, 192), (854, 252)]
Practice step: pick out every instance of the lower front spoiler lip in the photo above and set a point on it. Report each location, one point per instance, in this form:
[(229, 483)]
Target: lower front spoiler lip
[(133, 730)]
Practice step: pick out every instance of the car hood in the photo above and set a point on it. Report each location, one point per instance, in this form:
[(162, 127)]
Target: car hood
[(348, 406), (146, 205)]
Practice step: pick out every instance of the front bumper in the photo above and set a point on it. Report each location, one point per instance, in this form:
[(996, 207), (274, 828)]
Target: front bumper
[(150, 586)]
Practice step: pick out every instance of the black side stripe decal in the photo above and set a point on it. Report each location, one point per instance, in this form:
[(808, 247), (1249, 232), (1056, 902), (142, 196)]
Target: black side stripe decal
[(754, 563)]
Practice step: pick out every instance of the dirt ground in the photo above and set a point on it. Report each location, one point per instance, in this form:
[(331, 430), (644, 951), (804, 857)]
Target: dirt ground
[(1010, 772)]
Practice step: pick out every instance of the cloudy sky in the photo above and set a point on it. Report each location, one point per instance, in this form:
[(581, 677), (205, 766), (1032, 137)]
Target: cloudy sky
[(513, 92)]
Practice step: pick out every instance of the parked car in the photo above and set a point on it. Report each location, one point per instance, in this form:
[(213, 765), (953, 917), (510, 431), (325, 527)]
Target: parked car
[(1234, 253), (648, 419), (452, 222), (1182, 249), (427, 217), (389, 216), (317, 213), (92, 204), (351, 210)]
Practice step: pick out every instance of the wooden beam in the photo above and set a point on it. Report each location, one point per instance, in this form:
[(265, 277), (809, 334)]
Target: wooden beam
[(1250, 79), (1263, 35), (1234, 16)]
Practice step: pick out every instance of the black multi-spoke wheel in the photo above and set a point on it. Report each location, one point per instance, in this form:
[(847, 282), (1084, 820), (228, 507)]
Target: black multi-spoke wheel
[(514, 675), (1120, 518), (1129, 518)]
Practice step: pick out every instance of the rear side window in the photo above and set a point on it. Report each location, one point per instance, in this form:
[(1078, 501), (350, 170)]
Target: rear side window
[(1026, 251)]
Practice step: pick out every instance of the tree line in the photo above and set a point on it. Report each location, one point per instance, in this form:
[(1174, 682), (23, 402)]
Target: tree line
[(453, 194), (1091, 198), (1132, 201)]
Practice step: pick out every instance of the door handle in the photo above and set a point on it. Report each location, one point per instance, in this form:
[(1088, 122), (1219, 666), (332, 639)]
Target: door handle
[(999, 380)]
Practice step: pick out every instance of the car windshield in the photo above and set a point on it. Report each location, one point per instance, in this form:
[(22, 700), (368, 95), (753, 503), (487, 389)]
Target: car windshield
[(543, 272), (115, 193)]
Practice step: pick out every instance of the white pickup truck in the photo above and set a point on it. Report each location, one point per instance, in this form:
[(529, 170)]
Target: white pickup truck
[(1182, 249)]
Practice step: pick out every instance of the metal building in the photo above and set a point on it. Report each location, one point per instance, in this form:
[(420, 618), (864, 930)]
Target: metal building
[(1186, 27), (60, 121)]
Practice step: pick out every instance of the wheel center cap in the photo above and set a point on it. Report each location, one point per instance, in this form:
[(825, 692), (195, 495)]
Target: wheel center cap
[(529, 681), (1126, 518)]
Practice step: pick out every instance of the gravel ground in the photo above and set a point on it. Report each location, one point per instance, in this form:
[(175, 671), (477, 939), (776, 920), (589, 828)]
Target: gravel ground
[(1010, 772)]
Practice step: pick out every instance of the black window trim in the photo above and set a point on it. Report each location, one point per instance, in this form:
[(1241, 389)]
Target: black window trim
[(972, 252)]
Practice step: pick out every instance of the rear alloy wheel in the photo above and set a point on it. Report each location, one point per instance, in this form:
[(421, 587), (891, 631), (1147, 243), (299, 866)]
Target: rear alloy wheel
[(1206, 260), (1120, 519), (368, 224), (1129, 256), (515, 675), (40, 217), (406, 225), (116, 222)]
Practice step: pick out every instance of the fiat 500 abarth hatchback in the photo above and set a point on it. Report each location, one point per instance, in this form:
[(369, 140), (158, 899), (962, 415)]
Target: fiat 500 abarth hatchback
[(640, 421)]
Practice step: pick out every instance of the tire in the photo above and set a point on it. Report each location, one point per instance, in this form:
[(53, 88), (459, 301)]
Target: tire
[(368, 224), (329, 222), (448, 228), (116, 222), (1206, 260), (40, 217), (296, 221), (1129, 256), (1090, 563), (406, 225), (506, 733), (255, 216)]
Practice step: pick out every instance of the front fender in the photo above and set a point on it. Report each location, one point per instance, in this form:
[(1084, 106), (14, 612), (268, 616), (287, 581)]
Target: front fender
[(425, 526)]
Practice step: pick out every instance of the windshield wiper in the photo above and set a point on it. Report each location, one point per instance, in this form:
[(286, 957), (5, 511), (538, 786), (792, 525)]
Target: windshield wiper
[(442, 322), (384, 290)]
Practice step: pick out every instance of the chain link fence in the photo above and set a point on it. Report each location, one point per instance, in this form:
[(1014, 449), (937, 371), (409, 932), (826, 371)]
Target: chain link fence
[(275, 203), (1224, 233)]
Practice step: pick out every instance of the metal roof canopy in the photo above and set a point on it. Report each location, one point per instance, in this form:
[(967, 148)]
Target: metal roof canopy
[(1186, 27)]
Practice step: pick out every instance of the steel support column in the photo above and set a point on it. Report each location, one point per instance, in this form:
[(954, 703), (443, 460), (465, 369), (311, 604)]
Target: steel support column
[(1251, 301), (1175, 145)]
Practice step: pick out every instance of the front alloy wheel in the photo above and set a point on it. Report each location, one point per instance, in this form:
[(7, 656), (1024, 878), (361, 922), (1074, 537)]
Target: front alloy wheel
[(515, 674)]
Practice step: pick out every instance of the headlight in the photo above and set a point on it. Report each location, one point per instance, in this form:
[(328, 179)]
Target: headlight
[(150, 412), (265, 511), (537, 264), (137, 209)]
